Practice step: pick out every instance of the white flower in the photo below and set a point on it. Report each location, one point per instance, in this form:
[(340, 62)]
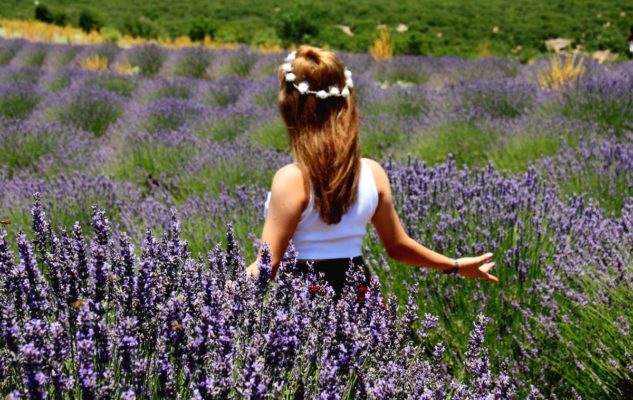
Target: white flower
[(345, 92), (334, 91), (290, 77), (291, 56), (303, 87), (287, 67), (322, 94), (348, 73), (349, 82)]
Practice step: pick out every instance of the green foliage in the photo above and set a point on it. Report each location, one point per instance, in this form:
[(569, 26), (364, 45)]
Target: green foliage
[(116, 84), (451, 27), (271, 135), (148, 57), (111, 34), (399, 101), (225, 129), (42, 13), (7, 53), (21, 152), (297, 24), (149, 163), (609, 106), (468, 143), (89, 20), (409, 43), (516, 152), (58, 83), (91, 115), (17, 106), (199, 27), (265, 36), (230, 32), (142, 27), (194, 64)]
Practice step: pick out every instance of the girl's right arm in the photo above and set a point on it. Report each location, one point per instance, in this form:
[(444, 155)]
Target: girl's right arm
[(401, 247)]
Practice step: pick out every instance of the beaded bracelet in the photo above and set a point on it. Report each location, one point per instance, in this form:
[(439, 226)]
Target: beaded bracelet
[(452, 271)]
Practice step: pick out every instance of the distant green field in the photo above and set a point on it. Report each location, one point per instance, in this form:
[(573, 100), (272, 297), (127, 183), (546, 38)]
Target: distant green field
[(435, 27)]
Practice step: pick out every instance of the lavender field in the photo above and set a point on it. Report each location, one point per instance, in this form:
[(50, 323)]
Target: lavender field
[(130, 205)]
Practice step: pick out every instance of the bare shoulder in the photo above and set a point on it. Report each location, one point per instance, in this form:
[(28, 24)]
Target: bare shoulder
[(289, 182), (289, 172), (382, 180)]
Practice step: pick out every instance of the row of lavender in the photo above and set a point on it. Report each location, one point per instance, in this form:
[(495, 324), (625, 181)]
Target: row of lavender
[(437, 91), (508, 120), (160, 144)]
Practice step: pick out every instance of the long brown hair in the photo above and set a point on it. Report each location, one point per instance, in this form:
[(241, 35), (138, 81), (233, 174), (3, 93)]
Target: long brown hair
[(323, 132)]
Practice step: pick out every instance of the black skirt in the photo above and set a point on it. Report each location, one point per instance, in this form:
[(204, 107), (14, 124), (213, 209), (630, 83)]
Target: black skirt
[(334, 270)]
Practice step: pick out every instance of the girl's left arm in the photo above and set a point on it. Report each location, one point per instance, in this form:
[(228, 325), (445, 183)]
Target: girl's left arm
[(287, 201)]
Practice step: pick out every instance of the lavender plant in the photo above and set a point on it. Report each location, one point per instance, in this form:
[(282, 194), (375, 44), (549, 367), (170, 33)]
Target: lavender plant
[(161, 323), (90, 109), (18, 100)]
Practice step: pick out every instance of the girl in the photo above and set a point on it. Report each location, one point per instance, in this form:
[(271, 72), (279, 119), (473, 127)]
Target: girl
[(324, 200)]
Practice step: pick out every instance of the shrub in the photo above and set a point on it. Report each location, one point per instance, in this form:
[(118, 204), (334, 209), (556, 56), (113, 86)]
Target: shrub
[(89, 21), (199, 27), (142, 27), (191, 62), (265, 37), (17, 100), (8, 50), (241, 63), (296, 25), (110, 34), (496, 99), (121, 85), (230, 32), (409, 43), (90, 109), (42, 148), (605, 100), (148, 57), (42, 13), (170, 114)]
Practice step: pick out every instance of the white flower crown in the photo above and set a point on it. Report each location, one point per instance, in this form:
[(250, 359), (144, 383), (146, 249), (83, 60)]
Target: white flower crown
[(303, 86)]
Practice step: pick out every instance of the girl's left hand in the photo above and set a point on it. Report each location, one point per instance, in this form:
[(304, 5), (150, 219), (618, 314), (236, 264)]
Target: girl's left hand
[(477, 267)]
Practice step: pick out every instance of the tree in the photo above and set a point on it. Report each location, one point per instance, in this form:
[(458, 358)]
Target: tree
[(200, 27), (89, 21), (42, 13), (298, 24)]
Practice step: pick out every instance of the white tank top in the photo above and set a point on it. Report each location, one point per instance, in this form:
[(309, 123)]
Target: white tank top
[(314, 239)]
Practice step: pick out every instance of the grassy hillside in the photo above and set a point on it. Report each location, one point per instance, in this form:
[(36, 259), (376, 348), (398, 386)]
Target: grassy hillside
[(435, 27)]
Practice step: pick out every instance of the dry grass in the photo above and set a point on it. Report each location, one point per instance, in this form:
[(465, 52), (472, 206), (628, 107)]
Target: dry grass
[(37, 31), (382, 48), (42, 32), (125, 68), (561, 73), (95, 62)]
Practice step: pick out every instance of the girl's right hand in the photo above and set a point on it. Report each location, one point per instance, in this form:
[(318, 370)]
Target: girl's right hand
[(477, 267)]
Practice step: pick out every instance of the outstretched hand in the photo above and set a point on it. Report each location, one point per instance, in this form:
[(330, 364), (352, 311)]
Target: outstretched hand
[(477, 267)]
